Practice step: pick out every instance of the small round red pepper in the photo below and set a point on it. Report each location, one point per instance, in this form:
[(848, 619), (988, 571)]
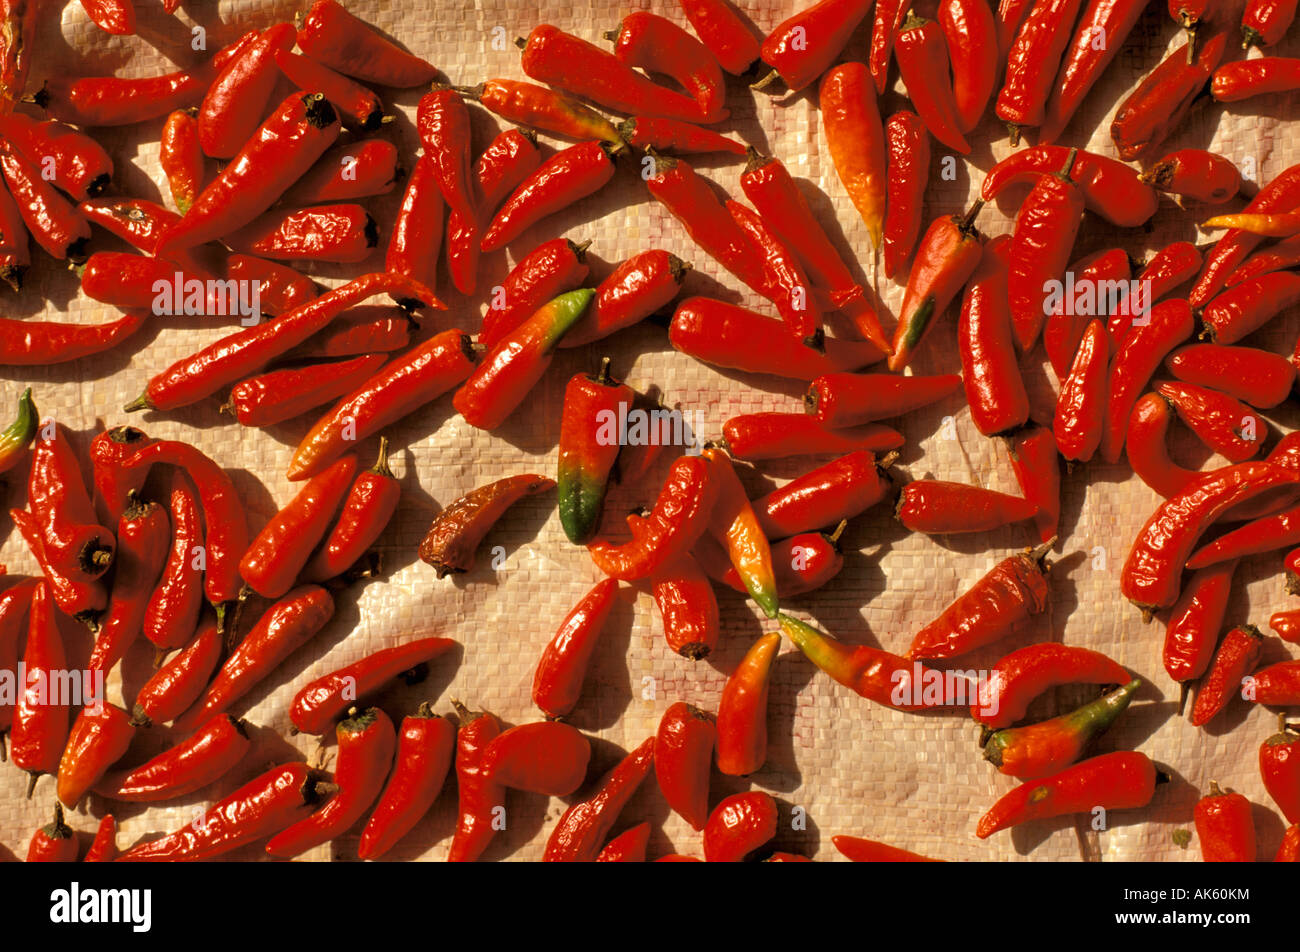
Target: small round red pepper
[(739, 825)]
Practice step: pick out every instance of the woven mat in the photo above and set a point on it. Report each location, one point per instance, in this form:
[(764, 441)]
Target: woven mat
[(836, 763)]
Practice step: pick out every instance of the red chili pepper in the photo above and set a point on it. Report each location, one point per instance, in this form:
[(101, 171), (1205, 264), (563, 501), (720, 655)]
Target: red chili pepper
[(73, 540), (1012, 591), (826, 495), (856, 139), (103, 849), (366, 512), (568, 176), (129, 281), (114, 101), (991, 376), (82, 600), (726, 35), (1099, 35), (236, 101), (791, 55), (425, 745), (742, 712), (549, 758), (844, 399), (948, 255), (938, 507), (368, 329), (1268, 534), (1222, 422), (457, 530), (785, 283), (628, 847), (443, 124), (1241, 310), (637, 288), (342, 42), (561, 59), (52, 220), (1189, 13), (1289, 851), (181, 158), (285, 627), (99, 738), (687, 606), (738, 528), (803, 563), (1282, 194), (1275, 257), (1085, 292), (279, 152), (1110, 188), (1195, 174), (262, 807), (1032, 63), (1004, 697), (908, 146), (53, 843), (175, 687), (550, 269), (1034, 460), (923, 63), (588, 449), (739, 825), (683, 752), (143, 532), (970, 32), (1152, 572), (1265, 22), (859, 850), (650, 42), (1148, 451), (348, 171), (497, 386), (112, 16), (675, 136), (481, 802), (18, 28), (877, 675), (113, 486), (889, 16), (1225, 827), (557, 682), (1279, 767), (1123, 780), (1168, 269), (1195, 622), (40, 724), (1161, 101), (763, 436), (15, 257), (281, 395), (358, 106), (1170, 324), (417, 233), (542, 108), (14, 603), (1244, 79), (172, 612), (1277, 685), (1040, 249), (70, 159), (404, 385), (194, 763), (281, 289), (581, 831), (343, 233)]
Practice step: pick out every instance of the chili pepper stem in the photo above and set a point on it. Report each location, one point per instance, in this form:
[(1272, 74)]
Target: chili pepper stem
[(139, 403), (4, 752), (1183, 690), (1013, 130), (834, 537), (33, 776), (762, 84)]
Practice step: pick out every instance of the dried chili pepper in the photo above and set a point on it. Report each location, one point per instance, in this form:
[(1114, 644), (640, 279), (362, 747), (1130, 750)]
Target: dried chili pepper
[(341, 233), (404, 385), (70, 159), (1244, 79), (557, 682), (1168, 268), (175, 686), (889, 16), (785, 283), (262, 807), (366, 512), (922, 58), (648, 41), (1034, 454), (683, 752), (949, 252), (939, 507), (368, 329), (1222, 422), (342, 42), (1032, 63), (281, 289), (1250, 305), (1169, 325), (839, 490), (1041, 245), (14, 604), (568, 176), (53, 843), (674, 136), (908, 147), (103, 848), (722, 30), (762, 436), (236, 102), (742, 712), (172, 612), (588, 449), (1024, 674), (74, 541), (1089, 287), (425, 745), (194, 763), (40, 720), (1110, 188), (581, 831), (1124, 780), (143, 531), (1040, 750), (481, 802), (82, 600), (859, 850), (100, 735), (549, 758), (991, 377), (452, 539), (1148, 452), (845, 399), (856, 139), (1161, 101), (1195, 174), (1225, 827), (52, 220), (350, 170), (358, 106), (280, 395)]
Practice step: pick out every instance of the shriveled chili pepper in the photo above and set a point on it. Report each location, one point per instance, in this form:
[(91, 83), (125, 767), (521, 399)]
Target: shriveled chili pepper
[(683, 753), (1161, 101), (172, 611), (803, 563), (762, 436), (1168, 268), (103, 848), (588, 449), (949, 252), (889, 16), (74, 541), (1024, 674), (797, 61), (1225, 827), (143, 532), (563, 60), (1265, 22), (1110, 188), (70, 159), (1034, 461), (1279, 767), (970, 31), (1040, 750), (278, 153), (557, 682), (1286, 625), (425, 744), (742, 712), (348, 171), (1089, 285), (366, 512), (581, 831), (1170, 324), (53, 843), (100, 736), (262, 807), (876, 675), (549, 758), (82, 600), (739, 825), (285, 627), (1274, 257), (452, 539), (568, 176), (1222, 422), (280, 395), (368, 329), (404, 385), (1195, 174), (722, 30), (1277, 685), (785, 283), (1148, 451), (129, 281), (281, 289), (552, 268), (839, 490), (1032, 63), (175, 686), (675, 137), (1123, 780), (480, 801), (681, 513), (342, 233), (939, 507), (236, 102), (1101, 31), (1245, 79), (342, 42), (856, 138), (1041, 245), (688, 609), (442, 121), (908, 147), (194, 763), (52, 220), (858, 850), (844, 399), (923, 63), (651, 42), (359, 107), (112, 486), (994, 387), (14, 604), (1152, 571), (1250, 305), (637, 288), (516, 363), (40, 723), (417, 233)]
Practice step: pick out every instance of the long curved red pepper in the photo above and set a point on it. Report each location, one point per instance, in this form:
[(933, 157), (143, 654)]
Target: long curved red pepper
[(1241, 310), (1195, 622), (14, 604), (1268, 534), (368, 329), (40, 724), (723, 31), (923, 63), (1034, 460), (1110, 188), (1222, 422), (995, 390), (203, 758), (581, 831), (683, 753), (417, 233), (675, 137), (442, 121), (557, 682), (1102, 29), (939, 507), (481, 802), (142, 537), (457, 530), (742, 712), (844, 399), (637, 288), (366, 512), (237, 99), (908, 147), (171, 614), (1148, 450), (650, 42), (886, 21), (425, 745), (342, 42), (1225, 827), (175, 686), (1274, 257), (1168, 268), (1032, 63), (970, 31), (1170, 324), (281, 395), (785, 283), (1023, 675), (568, 176), (839, 490), (855, 138), (859, 850)]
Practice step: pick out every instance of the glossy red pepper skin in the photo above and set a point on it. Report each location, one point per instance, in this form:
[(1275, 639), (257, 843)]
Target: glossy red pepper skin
[(417, 233), (285, 627), (939, 507), (908, 146), (280, 290), (785, 283), (1245, 79), (549, 758), (143, 534), (1081, 405), (742, 712), (1277, 685), (481, 802), (567, 177), (803, 563), (51, 219), (1274, 257), (1289, 851), (442, 121), (1279, 767), (1168, 268), (103, 849), (262, 807), (72, 160), (739, 825), (683, 753), (970, 30), (1098, 279), (366, 512), (723, 31), (728, 335), (340, 233), (182, 159), (1032, 63), (1225, 827), (1026, 673), (855, 137), (368, 329), (737, 527), (40, 726), (457, 530), (351, 170), (923, 63), (1222, 422), (675, 137), (57, 496), (280, 395), (19, 21), (1160, 103), (237, 99), (126, 280), (888, 17), (552, 268), (15, 255), (628, 847), (558, 679), (688, 609), (1195, 174), (1102, 29), (1040, 250), (843, 399), (822, 497), (99, 736), (1280, 530), (581, 831), (53, 843), (763, 436), (14, 604), (209, 754), (1265, 22), (351, 46), (1241, 310), (359, 107), (79, 599), (425, 744), (1148, 450), (405, 384), (135, 220), (648, 41), (318, 704), (112, 486), (1286, 625), (588, 449), (175, 686), (1142, 352), (1110, 188), (637, 288), (1034, 460), (995, 390), (171, 614), (858, 850), (789, 53)]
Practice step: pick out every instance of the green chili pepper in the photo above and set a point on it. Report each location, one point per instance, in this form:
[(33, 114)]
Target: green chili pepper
[(18, 434), (591, 433)]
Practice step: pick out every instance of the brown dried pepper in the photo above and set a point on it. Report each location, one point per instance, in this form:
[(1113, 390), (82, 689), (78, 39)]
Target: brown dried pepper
[(456, 532)]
